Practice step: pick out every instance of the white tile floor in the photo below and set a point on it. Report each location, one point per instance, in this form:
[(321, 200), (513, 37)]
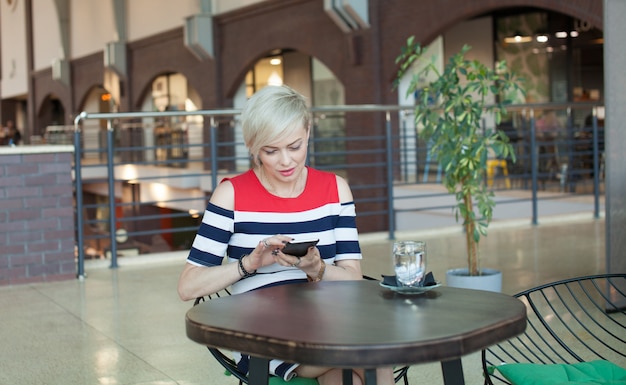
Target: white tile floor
[(126, 325)]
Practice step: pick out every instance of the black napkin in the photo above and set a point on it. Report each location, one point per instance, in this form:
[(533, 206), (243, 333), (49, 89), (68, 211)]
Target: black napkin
[(390, 280)]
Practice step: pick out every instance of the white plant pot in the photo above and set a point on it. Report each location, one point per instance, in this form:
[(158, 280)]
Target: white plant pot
[(490, 279)]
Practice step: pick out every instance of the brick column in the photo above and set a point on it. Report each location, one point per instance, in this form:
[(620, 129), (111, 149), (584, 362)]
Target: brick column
[(36, 214)]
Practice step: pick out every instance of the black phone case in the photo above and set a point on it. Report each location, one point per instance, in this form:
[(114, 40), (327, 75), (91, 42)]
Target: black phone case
[(299, 249)]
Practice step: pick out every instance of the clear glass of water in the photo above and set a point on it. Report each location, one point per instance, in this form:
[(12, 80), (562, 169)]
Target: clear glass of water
[(409, 259)]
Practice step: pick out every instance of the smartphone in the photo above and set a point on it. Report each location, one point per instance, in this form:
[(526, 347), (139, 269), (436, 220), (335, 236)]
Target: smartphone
[(299, 248)]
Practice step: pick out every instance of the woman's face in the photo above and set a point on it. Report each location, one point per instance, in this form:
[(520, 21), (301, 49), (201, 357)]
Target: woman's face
[(285, 159)]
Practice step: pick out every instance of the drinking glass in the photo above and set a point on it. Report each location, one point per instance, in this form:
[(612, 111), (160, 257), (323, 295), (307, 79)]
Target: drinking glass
[(410, 262)]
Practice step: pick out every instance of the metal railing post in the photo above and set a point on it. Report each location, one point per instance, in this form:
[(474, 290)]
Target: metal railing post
[(596, 165), (567, 173), (213, 136), (534, 162), (406, 161), (111, 181), (390, 209), (78, 183)]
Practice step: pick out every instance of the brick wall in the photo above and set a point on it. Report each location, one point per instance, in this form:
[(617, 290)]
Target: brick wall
[(36, 214)]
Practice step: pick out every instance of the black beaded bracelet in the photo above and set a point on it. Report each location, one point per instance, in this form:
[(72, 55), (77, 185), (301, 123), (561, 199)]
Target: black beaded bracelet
[(245, 272)]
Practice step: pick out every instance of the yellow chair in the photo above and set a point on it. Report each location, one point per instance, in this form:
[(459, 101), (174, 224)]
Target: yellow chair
[(491, 171)]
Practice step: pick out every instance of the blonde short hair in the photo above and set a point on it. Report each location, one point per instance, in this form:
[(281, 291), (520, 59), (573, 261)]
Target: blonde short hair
[(272, 112)]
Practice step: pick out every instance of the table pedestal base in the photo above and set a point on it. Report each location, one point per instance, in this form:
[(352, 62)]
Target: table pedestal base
[(259, 371), (452, 372)]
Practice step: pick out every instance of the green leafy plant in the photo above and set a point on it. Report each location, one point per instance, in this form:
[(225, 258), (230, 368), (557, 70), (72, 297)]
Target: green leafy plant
[(449, 110)]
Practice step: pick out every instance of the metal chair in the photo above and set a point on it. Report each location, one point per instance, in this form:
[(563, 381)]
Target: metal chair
[(569, 321), (230, 365)]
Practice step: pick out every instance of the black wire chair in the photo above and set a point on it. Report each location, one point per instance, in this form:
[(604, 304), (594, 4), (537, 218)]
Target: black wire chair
[(569, 321), (224, 358)]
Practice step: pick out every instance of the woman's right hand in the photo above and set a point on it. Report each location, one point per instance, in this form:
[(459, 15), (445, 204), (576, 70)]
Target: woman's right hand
[(196, 281), (265, 251)]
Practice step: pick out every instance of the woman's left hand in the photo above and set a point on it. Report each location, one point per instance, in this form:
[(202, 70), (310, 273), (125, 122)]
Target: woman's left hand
[(309, 263)]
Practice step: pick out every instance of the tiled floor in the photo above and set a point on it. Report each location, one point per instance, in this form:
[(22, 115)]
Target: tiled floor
[(126, 325)]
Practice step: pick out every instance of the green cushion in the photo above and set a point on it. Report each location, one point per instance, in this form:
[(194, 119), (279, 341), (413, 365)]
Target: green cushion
[(294, 381), (584, 373)]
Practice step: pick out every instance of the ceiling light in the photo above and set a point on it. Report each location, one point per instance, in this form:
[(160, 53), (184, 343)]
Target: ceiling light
[(561, 34), (574, 34), (275, 79), (542, 38), (275, 61), (518, 38)]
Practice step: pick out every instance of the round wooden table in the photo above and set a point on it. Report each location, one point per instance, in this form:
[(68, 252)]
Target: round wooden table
[(350, 324)]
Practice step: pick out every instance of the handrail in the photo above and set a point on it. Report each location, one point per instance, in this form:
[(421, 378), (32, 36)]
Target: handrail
[(402, 162)]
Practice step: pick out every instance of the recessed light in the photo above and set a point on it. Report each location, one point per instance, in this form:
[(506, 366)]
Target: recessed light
[(518, 39)]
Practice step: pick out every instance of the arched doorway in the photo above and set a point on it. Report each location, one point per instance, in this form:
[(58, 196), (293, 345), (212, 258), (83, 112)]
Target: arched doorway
[(310, 77), (560, 60), (98, 100), (172, 92), (51, 121)]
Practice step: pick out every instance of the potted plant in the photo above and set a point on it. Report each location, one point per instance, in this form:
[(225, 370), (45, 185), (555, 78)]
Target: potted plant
[(449, 110)]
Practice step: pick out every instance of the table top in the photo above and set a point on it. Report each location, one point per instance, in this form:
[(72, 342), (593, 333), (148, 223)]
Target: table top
[(356, 323)]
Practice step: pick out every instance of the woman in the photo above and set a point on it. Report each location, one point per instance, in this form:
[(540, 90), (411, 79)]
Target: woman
[(251, 217)]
